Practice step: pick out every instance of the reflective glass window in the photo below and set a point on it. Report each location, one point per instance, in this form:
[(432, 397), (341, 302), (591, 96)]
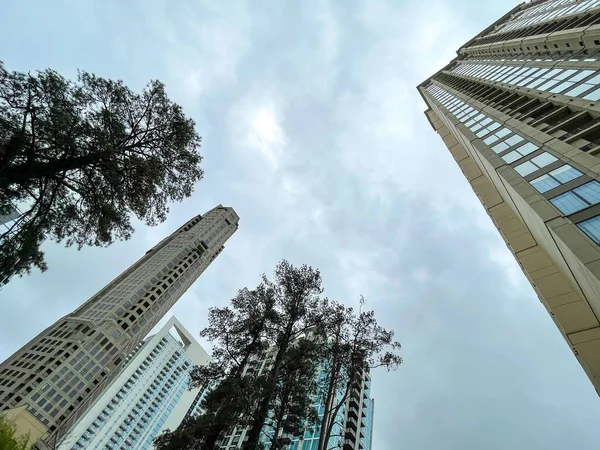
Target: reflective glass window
[(578, 198), (565, 173), (594, 95), (591, 227)]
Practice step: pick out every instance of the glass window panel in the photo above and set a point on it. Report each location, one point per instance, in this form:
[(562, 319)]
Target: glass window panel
[(526, 168), (544, 183), (482, 133), (594, 95), (530, 71), (527, 148), (590, 192), (513, 140), (511, 157), (469, 123), (503, 132), (591, 227), (578, 90), (581, 75), (565, 173), (568, 203), (486, 121), (478, 117), (541, 72), (494, 126), (499, 148), (552, 73), (475, 127), (536, 83), (546, 85), (561, 87), (490, 140), (565, 74), (543, 159), (525, 81), (594, 80)]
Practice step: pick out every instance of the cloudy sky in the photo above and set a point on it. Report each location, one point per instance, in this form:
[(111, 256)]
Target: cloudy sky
[(313, 131)]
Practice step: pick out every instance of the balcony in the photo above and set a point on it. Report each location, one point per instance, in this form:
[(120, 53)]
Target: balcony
[(350, 434), (353, 412), (352, 423), (348, 444)]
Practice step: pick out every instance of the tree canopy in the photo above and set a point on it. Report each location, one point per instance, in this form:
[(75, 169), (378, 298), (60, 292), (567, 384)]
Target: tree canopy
[(280, 350), (80, 158), (8, 439)]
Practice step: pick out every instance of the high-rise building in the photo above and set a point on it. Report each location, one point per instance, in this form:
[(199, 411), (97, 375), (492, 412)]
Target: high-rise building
[(51, 381), (519, 110), (149, 395), (352, 429)]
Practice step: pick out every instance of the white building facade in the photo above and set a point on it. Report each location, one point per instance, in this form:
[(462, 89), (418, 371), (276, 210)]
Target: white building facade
[(151, 394)]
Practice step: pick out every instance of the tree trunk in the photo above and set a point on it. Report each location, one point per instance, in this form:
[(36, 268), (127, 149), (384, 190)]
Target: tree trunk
[(263, 409), (325, 421), (211, 441), (26, 171)]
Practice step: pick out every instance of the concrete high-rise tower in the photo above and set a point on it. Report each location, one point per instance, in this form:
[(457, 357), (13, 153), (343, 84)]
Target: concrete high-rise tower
[(519, 110), (46, 385)]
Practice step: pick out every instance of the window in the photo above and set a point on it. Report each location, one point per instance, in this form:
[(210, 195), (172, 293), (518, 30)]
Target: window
[(535, 163), (555, 178), (577, 199), (514, 140), (497, 135), (591, 227), (518, 153), (589, 84)]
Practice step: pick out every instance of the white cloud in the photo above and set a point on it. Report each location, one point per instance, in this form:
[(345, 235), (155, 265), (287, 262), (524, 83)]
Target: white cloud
[(421, 275), (205, 44), (265, 133), (255, 122), (329, 30)]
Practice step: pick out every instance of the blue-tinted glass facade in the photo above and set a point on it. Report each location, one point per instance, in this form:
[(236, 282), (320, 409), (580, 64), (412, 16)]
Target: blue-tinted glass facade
[(578, 198), (591, 227), (555, 178)]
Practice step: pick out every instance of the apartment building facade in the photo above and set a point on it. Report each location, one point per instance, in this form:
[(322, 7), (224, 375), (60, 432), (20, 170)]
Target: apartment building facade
[(48, 384), (149, 395), (352, 430), (519, 110)]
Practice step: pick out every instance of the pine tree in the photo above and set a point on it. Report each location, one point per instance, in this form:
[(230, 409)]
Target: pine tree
[(357, 344), (80, 158)]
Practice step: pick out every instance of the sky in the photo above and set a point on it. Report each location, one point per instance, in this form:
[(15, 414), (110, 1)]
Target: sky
[(314, 132)]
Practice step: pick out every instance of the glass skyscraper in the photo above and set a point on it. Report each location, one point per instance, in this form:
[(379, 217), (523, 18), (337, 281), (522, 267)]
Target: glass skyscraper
[(519, 111), (352, 429), (48, 384), (149, 395)]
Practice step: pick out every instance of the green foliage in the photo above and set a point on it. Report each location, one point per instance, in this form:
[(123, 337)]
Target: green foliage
[(287, 323), (356, 345), (8, 441), (80, 158)]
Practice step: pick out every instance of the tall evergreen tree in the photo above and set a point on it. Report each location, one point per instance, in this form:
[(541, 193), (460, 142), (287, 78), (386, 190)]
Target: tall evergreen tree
[(270, 346), (292, 408), (80, 158), (356, 345), (238, 333), (299, 308)]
